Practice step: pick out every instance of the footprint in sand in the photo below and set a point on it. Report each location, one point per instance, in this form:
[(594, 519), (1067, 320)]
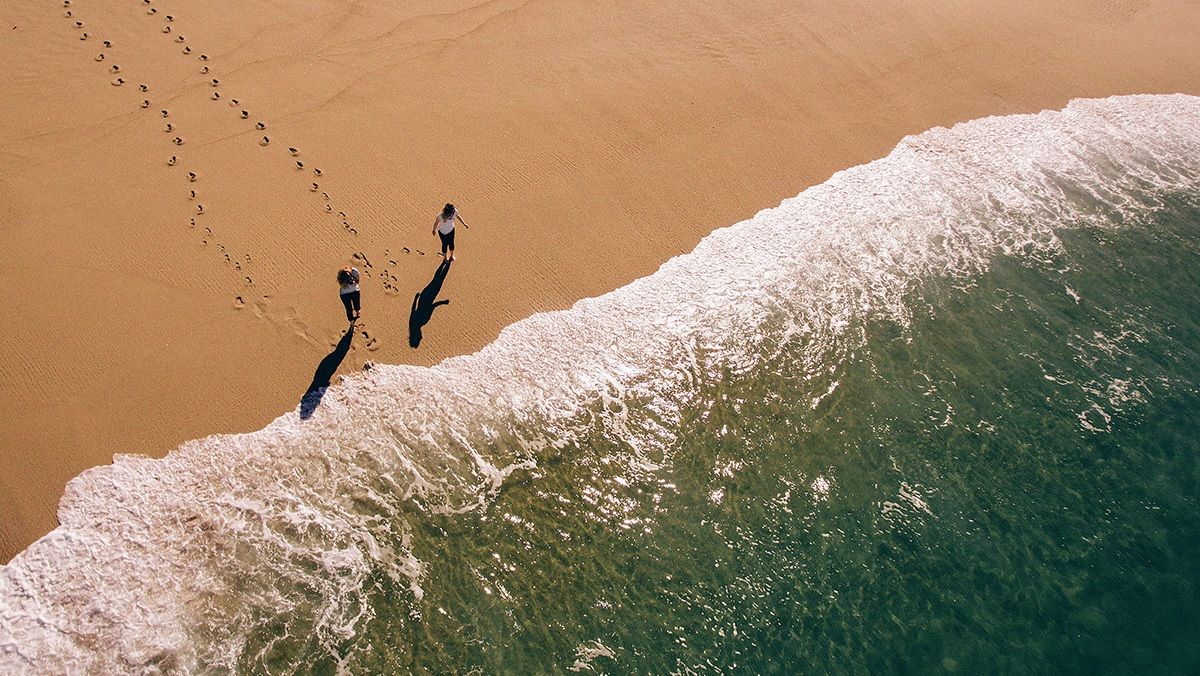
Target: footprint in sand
[(152, 11), (68, 14), (260, 126), (293, 151), (83, 36), (107, 44), (163, 112), (233, 102), (145, 103), (216, 95), (99, 57), (169, 128), (204, 70), (187, 50), (214, 82), (406, 250), (353, 231), (264, 141), (178, 38), (171, 162), (371, 343), (317, 172), (114, 68), (325, 196), (118, 82), (315, 187), (79, 24), (299, 164), (177, 141), (66, 3), (191, 176), (245, 114), (204, 57), (193, 196), (199, 208), (170, 18), (328, 209), (166, 29), (238, 303), (143, 88), (191, 222)]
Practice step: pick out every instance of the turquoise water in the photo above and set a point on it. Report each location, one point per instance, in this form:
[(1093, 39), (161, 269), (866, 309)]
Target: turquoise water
[(947, 424), (1008, 484)]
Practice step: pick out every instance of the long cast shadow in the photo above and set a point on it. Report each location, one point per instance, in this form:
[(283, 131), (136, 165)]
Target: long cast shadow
[(424, 303), (325, 370)]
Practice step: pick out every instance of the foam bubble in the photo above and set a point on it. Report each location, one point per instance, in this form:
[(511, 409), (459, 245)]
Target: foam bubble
[(278, 538)]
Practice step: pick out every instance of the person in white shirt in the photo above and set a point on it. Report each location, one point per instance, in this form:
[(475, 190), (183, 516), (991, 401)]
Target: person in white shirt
[(443, 227), (347, 279)]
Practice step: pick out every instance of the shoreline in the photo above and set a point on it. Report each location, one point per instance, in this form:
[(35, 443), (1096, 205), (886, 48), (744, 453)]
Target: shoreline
[(585, 148)]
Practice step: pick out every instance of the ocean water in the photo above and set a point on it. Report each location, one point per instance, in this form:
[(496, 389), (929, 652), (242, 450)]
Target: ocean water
[(948, 422)]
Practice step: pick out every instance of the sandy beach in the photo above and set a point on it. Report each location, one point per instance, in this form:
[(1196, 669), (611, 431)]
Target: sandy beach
[(585, 143)]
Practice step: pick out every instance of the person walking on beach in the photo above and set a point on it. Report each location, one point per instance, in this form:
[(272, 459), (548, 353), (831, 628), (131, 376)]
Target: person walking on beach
[(443, 226), (348, 279)]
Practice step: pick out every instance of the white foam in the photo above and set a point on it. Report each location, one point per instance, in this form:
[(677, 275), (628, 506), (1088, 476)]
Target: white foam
[(231, 541)]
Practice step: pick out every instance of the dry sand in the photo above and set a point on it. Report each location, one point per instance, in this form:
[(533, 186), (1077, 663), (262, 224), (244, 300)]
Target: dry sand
[(585, 142)]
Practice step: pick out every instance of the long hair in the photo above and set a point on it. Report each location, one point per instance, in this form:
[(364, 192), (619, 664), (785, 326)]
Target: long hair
[(344, 277), (448, 212)]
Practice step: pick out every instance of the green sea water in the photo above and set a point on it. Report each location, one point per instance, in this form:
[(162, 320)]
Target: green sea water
[(1007, 484)]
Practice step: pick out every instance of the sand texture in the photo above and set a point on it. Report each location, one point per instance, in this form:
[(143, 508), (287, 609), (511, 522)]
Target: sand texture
[(585, 143)]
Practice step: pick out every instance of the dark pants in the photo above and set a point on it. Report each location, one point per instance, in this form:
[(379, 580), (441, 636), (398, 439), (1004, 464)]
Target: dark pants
[(350, 300), (447, 241)]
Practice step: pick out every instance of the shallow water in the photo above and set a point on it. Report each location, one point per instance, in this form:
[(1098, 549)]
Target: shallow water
[(949, 426), (1007, 484)]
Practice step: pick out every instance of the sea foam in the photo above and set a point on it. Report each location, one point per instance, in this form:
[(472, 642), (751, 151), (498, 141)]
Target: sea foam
[(282, 536)]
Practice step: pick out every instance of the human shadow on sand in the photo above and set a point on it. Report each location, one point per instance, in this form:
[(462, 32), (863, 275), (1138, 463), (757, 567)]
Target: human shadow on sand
[(424, 303), (325, 370)]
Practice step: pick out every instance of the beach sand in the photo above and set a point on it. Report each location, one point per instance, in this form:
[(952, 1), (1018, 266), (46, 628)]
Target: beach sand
[(584, 142)]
